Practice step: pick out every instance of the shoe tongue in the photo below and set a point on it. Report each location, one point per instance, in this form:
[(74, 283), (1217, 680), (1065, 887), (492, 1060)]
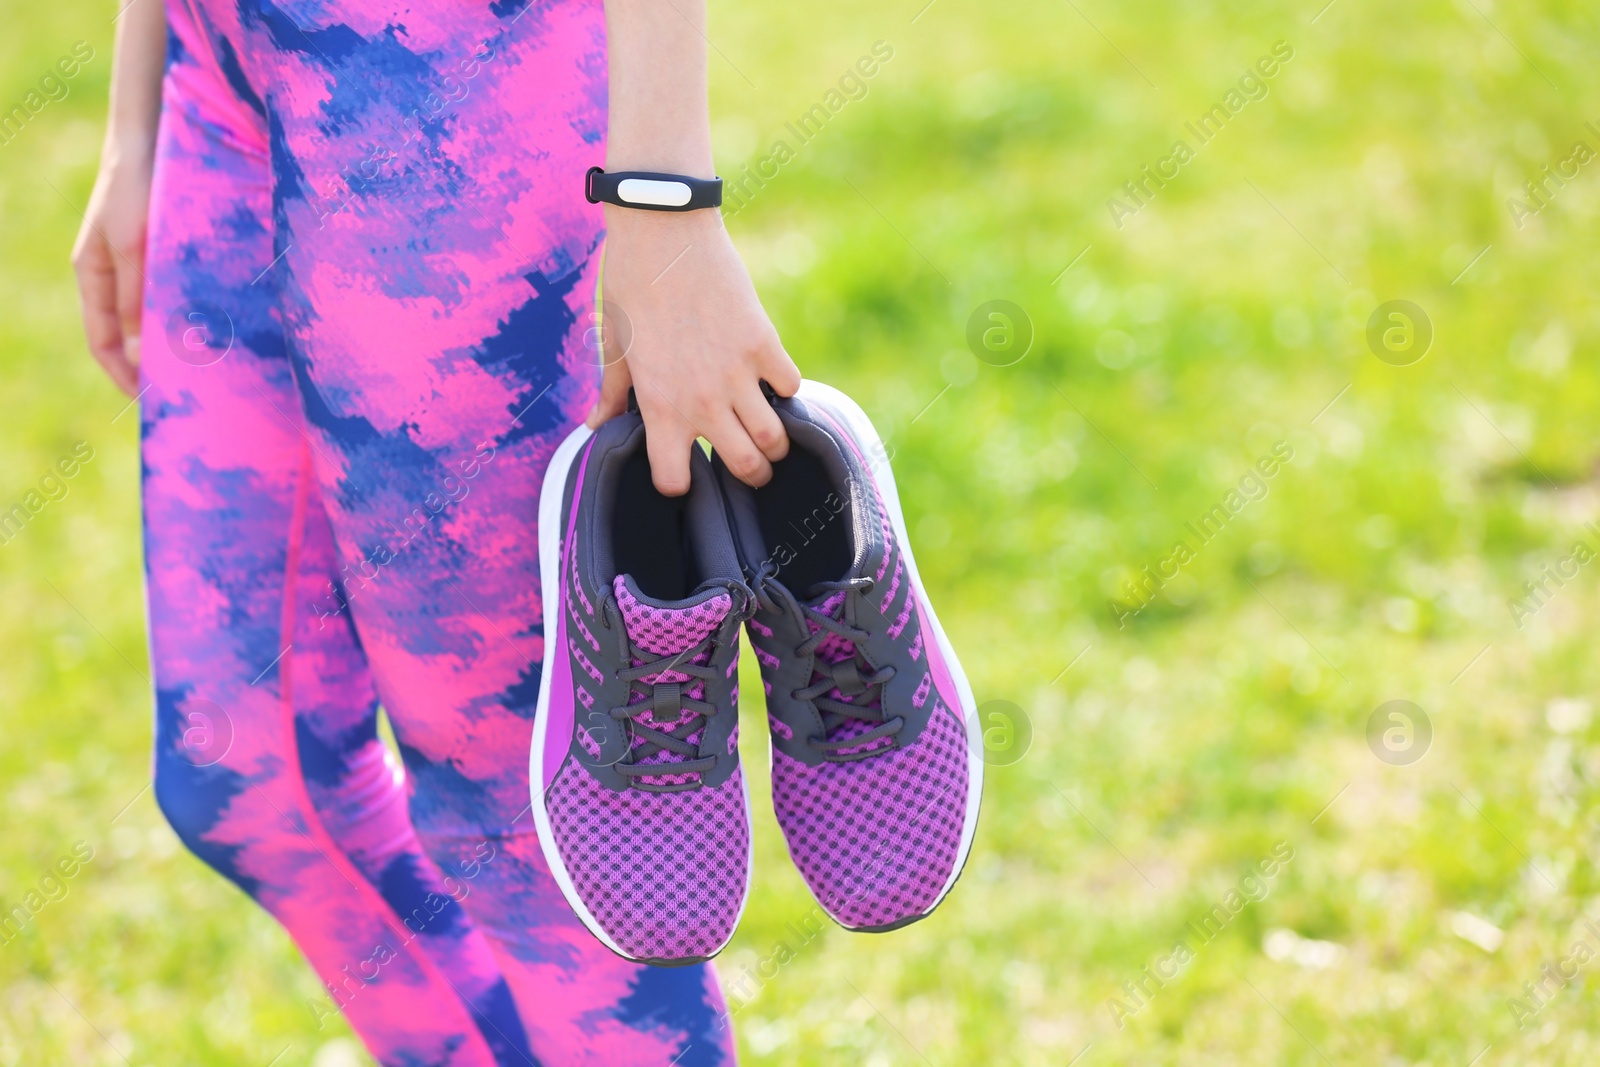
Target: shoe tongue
[(666, 628), (833, 648)]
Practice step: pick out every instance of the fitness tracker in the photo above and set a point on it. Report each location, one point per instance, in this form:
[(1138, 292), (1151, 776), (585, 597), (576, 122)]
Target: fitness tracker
[(651, 191)]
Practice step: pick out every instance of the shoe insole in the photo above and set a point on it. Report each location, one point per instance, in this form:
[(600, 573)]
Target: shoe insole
[(804, 522)]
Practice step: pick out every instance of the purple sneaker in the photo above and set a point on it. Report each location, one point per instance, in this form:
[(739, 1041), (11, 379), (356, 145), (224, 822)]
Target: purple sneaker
[(642, 810), (877, 756)]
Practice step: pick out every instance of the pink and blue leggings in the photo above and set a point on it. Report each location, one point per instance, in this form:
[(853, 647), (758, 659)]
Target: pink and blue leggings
[(370, 276)]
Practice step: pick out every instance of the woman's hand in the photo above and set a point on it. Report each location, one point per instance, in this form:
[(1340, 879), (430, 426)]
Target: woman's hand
[(700, 341), (699, 345), (108, 258)]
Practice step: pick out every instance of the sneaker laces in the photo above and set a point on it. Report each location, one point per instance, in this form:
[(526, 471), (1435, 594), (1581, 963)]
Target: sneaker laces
[(665, 702), (853, 677)]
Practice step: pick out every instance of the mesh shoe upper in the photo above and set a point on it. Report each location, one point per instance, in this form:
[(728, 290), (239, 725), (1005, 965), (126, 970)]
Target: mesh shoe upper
[(641, 788), (877, 847), (664, 873), (870, 772)]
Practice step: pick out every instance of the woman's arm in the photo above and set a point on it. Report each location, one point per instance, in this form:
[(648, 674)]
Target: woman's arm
[(108, 256), (701, 342)]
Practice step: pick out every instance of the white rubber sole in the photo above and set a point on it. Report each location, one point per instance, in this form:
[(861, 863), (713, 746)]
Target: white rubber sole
[(871, 445), (552, 521)]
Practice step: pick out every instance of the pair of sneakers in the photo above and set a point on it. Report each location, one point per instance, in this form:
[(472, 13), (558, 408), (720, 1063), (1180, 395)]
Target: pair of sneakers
[(642, 810)]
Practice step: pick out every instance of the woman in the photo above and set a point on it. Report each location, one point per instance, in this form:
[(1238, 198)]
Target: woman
[(340, 251)]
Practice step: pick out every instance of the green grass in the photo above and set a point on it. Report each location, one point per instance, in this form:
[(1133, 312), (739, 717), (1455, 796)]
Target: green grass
[(1225, 316)]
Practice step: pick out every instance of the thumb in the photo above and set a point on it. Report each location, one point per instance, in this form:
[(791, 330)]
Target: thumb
[(615, 382)]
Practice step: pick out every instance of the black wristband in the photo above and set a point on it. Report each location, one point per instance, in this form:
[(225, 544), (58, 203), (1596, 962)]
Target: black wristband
[(651, 191)]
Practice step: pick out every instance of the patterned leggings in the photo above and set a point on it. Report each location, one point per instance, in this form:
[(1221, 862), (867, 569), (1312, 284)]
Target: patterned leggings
[(370, 275)]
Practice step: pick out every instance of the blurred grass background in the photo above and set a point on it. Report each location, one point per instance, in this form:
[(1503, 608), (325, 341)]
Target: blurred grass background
[(1168, 756)]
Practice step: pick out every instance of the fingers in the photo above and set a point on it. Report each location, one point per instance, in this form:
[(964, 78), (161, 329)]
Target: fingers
[(734, 444), (667, 440), (762, 425), (669, 436), (130, 305), (97, 296), (747, 433), (615, 381)]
